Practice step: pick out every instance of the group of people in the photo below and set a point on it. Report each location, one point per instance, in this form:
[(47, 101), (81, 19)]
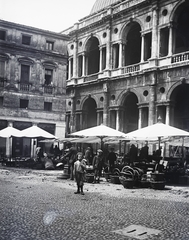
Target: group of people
[(77, 164)]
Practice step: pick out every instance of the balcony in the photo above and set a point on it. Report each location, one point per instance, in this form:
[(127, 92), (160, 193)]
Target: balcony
[(25, 87), (181, 57), (48, 89), (131, 69)]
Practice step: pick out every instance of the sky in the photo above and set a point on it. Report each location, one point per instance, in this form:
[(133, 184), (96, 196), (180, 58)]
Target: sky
[(52, 15)]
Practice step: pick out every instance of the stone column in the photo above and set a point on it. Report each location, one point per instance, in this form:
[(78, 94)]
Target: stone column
[(69, 68), (117, 119), (154, 33), (142, 48), (100, 61), (151, 118), (170, 51), (9, 143), (108, 48), (83, 71), (120, 55), (140, 118), (167, 119), (75, 60), (105, 110)]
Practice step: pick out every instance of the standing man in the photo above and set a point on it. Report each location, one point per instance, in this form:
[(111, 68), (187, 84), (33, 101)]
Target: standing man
[(71, 156), (111, 159), (98, 163)]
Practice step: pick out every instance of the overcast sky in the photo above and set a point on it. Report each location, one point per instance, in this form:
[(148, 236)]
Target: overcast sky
[(52, 15)]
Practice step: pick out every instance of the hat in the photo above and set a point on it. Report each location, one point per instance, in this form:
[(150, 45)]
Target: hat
[(99, 150)]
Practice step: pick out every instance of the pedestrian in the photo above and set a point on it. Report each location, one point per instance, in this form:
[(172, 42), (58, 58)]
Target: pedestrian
[(79, 172), (133, 154), (88, 155), (71, 156), (112, 157), (98, 163)]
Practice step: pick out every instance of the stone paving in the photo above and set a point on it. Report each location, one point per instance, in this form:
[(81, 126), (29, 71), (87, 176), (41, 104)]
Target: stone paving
[(35, 205)]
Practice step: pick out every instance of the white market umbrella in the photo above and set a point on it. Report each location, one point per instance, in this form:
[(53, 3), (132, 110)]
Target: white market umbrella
[(10, 132), (156, 131), (100, 131), (34, 132)]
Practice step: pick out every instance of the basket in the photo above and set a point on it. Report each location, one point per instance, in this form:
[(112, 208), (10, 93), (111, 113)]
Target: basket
[(145, 184), (128, 183), (89, 178), (159, 185), (114, 179), (157, 177)]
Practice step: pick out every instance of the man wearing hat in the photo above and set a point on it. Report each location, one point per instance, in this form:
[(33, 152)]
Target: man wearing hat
[(98, 163)]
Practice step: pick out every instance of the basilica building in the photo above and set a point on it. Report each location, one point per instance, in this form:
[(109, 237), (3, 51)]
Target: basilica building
[(128, 65)]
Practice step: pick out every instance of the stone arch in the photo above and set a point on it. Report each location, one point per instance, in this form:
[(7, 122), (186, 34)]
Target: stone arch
[(92, 55), (130, 113), (180, 19), (125, 28), (131, 36), (84, 47), (124, 94), (179, 95), (89, 112)]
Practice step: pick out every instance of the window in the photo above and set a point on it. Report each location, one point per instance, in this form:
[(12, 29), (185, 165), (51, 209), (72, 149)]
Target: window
[(2, 69), (2, 35), (25, 72), (115, 55), (24, 103), (48, 106), (49, 45), (26, 40), (164, 41), (48, 76)]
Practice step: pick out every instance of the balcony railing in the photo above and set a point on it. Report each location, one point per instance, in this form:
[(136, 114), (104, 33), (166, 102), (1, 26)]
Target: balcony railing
[(131, 68), (25, 87), (91, 77), (48, 89), (180, 57)]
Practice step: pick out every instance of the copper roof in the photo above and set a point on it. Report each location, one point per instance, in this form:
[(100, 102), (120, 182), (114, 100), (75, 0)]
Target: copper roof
[(101, 4)]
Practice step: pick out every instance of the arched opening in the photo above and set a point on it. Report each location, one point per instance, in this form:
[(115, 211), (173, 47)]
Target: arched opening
[(181, 20), (89, 113), (93, 55), (180, 97), (133, 44), (130, 113)]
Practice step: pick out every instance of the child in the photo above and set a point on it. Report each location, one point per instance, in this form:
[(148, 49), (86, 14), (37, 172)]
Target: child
[(79, 172)]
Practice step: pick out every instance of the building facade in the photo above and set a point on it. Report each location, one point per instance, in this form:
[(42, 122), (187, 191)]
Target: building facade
[(33, 66), (128, 65)]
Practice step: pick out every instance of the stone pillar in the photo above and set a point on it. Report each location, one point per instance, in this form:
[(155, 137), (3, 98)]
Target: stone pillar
[(170, 51), (75, 60), (117, 120), (167, 119), (120, 54), (69, 68), (98, 117), (84, 67), (140, 118), (9, 143), (100, 61), (108, 48), (105, 110), (154, 33), (142, 48), (152, 109)]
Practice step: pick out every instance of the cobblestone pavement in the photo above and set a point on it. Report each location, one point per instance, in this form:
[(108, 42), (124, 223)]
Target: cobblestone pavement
[(35, 205)]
